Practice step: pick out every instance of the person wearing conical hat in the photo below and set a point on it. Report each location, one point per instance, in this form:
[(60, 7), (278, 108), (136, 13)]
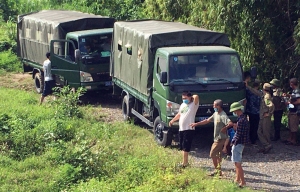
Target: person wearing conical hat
[(279, 107), (240, 139), (265, 113)]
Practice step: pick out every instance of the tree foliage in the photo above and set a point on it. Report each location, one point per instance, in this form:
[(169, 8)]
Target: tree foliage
[(266, 33)]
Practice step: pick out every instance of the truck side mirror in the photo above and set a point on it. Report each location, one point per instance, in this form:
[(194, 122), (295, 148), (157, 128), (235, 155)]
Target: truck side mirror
[(77, 54), (253, 72), (163, 77)]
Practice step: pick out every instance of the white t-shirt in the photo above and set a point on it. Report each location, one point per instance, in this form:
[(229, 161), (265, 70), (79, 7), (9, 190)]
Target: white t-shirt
[(187, 115), (47, 70)]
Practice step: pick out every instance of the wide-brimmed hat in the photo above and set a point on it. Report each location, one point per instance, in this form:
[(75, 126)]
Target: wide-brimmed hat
[(275, 82), (267, 86), (235, 106)]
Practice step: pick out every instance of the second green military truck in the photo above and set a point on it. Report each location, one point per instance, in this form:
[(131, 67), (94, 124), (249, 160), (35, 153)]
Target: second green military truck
[(79, 43), (153, 62)]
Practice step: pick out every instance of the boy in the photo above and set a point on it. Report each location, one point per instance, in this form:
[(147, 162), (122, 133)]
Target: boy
[(240, 139)]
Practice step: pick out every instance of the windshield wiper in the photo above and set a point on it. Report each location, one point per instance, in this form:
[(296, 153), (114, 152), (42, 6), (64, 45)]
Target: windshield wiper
[(223, 80), (187, 80)]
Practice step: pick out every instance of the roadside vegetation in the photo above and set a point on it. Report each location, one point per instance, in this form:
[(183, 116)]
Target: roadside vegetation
[(73, 151)]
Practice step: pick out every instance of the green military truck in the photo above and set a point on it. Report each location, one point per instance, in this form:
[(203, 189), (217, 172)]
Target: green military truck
[(68, 35), (153, 62)]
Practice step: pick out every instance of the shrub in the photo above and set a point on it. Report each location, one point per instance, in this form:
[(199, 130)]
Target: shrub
[(9, 62), (66, 103)]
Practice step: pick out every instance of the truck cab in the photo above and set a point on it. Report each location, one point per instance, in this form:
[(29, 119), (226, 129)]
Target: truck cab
[(82, 60), (211, 72)]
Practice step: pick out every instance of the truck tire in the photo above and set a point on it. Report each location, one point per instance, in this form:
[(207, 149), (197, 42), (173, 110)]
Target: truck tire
[(126, 110), (162, 136), (39, 83)]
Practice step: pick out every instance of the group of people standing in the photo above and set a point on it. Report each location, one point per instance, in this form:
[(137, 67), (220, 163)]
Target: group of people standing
[(253, 122), (261, 105)]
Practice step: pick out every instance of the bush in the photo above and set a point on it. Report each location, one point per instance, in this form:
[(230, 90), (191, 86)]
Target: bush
[(66, 103), (10, 62)]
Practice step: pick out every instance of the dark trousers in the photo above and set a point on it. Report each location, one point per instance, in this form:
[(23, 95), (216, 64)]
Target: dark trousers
[(277, 123), (253, 121)]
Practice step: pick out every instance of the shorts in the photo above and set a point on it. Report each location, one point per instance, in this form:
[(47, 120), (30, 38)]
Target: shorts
[(48, 87), (185, 140), (293, 122), (216, 148), (237, 153)]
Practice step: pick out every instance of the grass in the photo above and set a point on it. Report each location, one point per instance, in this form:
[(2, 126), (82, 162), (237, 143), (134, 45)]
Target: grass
[(42, 153)]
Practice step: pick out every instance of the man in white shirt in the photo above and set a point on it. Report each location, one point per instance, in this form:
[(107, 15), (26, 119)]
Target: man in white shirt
[(186, 116), (49, 83)]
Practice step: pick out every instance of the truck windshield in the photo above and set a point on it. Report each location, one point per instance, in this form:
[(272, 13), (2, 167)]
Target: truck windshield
[(205, 68), (96, 48)]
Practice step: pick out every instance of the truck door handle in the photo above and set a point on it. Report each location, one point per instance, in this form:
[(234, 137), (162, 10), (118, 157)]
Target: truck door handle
[(54, 67)]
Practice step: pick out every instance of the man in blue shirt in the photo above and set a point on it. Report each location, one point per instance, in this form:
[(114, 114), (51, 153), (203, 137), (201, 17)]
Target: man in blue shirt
[(252, 110)]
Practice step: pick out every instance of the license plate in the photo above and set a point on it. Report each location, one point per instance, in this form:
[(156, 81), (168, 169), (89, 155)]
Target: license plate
[(108, 83), (202, 118)]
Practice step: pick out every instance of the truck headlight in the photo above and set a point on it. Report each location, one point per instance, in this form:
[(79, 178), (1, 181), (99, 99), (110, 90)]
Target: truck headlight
[(85, 77), (172, 108)]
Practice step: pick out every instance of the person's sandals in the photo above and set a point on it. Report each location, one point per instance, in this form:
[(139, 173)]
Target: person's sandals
[(267, 149), (215, 173), (180, 165), (261, 151), (290, 143)]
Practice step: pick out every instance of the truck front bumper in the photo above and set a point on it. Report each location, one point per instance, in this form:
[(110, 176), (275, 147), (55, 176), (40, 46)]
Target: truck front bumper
[(94, 86)]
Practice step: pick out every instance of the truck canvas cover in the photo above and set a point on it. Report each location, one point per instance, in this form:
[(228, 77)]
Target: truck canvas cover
[(36, 30), (133, 63)]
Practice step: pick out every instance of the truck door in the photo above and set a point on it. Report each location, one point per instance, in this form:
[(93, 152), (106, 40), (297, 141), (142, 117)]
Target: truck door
[(64, 67)]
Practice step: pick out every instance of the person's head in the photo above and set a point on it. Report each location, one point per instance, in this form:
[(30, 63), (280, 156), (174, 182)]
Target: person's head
[(236, 109), (267, 88), (87, 47), (218, 105), (247, 76), (187, 97), (256, 84), (48, 55), (293, 83), (275, 83)]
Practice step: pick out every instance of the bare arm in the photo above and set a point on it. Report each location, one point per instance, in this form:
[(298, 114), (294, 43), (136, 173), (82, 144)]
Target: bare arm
[(204, 122), (176, 118), (224, 129), (196, 99), (297, 102)]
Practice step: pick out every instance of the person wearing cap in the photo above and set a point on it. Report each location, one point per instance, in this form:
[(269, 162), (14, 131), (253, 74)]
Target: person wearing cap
[(265, 113), (293, 116), (240, 139), (252, 110), (279, 107)]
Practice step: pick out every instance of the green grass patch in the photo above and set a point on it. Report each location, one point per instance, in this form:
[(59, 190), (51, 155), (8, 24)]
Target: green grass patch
[(41, 152)]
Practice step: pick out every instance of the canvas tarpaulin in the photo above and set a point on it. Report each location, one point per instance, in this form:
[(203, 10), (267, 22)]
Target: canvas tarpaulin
[(36, 30), (144, 37)]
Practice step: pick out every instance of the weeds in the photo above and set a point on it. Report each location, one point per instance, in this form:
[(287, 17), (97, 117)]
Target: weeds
[(66, 102)]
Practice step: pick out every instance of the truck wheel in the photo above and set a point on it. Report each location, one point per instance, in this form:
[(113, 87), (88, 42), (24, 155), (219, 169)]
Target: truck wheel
[(39, 83), (162, 136), (126, 108)]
